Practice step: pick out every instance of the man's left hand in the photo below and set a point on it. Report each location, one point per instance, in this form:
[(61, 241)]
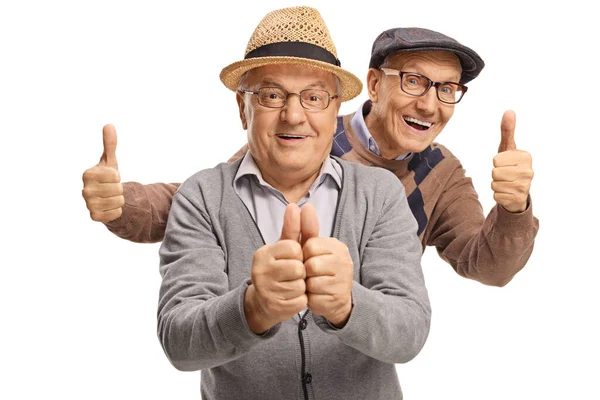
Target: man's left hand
[(329, 271), (513, 170)]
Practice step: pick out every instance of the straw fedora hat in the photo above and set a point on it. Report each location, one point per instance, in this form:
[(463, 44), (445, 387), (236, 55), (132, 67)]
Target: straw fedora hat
[(296, 35)]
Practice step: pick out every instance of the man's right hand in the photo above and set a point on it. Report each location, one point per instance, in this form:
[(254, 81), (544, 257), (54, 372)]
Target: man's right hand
[(278, 289), (102, 188)]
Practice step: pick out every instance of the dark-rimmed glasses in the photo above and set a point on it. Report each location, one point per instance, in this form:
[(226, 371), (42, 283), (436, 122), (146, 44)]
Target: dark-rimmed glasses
[(417, 85), (310, 99)]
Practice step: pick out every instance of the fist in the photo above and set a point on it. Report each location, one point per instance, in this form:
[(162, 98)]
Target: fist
[(513, 170), (278, 290), (329, 271), (102, 188)]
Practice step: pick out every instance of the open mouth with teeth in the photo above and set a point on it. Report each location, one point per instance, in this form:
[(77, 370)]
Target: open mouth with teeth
[(290, 137), (417, 124)]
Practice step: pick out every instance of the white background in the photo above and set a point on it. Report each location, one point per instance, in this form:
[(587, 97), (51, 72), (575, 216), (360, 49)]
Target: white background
[(79, 305)]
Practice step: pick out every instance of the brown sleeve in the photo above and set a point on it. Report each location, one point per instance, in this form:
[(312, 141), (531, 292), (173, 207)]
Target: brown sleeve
[(146, 209), (490, 250), (144, 217)]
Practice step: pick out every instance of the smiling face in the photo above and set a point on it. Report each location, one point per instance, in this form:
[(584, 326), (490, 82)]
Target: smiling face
[(288, 143), (401, 123)]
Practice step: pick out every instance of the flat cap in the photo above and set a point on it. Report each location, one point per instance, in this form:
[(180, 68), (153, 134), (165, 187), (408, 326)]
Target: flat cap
[(419, 39)]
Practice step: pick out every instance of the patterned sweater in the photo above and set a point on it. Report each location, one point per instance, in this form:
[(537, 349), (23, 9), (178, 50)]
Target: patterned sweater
[(442, 199)]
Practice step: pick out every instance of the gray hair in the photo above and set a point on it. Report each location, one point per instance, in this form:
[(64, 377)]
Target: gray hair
[(242, 81)]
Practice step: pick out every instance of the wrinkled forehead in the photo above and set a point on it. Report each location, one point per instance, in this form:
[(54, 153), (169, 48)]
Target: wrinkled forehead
[(426, 59), (291, 74)]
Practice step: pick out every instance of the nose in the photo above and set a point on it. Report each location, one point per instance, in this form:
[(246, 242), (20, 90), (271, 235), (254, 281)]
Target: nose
[(428, 102), (293, 113)]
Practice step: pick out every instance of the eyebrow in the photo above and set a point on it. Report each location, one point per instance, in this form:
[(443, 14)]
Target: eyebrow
[(412, 68)]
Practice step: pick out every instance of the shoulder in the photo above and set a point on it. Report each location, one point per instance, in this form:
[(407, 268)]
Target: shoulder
[(445, 151), (210, 181)]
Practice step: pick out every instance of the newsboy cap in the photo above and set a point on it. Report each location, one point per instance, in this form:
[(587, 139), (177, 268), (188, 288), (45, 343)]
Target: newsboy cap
[(420, 39)]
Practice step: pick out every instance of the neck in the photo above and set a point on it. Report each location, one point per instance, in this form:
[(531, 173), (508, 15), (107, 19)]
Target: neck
[(293, 185), (387, 147)]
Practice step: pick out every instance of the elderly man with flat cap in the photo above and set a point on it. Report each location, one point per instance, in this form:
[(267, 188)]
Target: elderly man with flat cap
[(268, 287), (416, 78)]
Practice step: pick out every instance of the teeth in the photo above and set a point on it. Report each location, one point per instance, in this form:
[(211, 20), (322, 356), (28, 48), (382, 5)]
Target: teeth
[(416, 121), (291, 136)]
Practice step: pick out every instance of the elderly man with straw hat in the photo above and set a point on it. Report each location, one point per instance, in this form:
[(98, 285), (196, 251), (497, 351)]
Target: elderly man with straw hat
[(292, 274)]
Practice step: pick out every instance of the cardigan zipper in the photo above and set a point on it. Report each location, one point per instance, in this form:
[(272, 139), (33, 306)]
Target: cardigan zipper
[(304, 377)]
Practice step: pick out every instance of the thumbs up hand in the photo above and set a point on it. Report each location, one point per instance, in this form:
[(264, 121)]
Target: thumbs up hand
[(278, 290), (102, 189), (329, 271), (513, 171)]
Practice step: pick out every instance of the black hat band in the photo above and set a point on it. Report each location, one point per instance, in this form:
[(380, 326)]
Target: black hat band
[(294, 49)]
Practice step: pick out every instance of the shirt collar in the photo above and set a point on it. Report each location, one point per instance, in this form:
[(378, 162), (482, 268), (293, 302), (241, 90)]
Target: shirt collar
[(360, 128), (248, 167)]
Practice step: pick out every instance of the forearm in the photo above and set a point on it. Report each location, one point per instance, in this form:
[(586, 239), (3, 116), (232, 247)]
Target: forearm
[(145, 212), (389, 328), (390, 316), (201, 319), (198, 334), (494, 252)]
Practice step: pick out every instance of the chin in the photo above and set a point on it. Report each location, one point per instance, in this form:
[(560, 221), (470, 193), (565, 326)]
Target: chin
[(420, 144), (414, 146)]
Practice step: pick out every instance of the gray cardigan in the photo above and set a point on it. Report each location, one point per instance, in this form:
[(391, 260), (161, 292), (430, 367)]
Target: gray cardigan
[(205, 262)]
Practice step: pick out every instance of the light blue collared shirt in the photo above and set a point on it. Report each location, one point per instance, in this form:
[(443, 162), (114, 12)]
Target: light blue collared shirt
[(360, 128), (267, 204)]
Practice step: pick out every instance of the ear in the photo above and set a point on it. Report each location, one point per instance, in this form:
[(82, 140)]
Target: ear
[(373, 84), (239, 97)]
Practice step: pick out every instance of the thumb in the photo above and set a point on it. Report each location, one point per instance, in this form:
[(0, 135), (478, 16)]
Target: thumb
[(109, 138), (291, 223), (507, 129), (309, 223)]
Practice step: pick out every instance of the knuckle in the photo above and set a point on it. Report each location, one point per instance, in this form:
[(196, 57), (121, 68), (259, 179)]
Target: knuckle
[(257, 259), (86, 192), (92, 204), (88, 174), (302, 284), (310, 285), (300, 270), (311, 266), (310, 244), (530, 173), (524, 188), (96, 216)]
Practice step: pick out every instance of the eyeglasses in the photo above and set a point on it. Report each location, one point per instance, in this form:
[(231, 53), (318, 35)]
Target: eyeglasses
[(417, 85), (310, 99)]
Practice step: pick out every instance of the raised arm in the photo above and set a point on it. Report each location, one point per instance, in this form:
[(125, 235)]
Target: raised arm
[(144, 215), (130, 210), (493, 250)]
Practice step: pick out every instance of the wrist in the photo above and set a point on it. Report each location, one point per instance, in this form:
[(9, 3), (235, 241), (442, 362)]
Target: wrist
[(342, 317), (254, 318)]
